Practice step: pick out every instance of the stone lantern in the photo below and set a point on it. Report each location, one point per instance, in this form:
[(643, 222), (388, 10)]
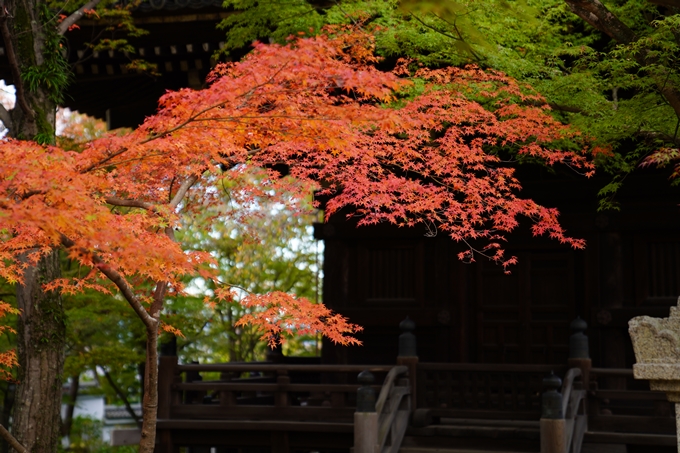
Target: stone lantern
[(656, 342)]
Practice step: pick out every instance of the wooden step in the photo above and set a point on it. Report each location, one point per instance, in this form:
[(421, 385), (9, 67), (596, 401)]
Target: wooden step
[(531, 424), (473, 444), (490, 429), (630, 438)]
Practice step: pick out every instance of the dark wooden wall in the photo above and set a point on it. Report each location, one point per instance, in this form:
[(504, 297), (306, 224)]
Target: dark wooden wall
[(476, 313)]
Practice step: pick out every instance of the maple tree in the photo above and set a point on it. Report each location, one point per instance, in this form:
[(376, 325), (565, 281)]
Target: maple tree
[(436, 153), (607, 68)]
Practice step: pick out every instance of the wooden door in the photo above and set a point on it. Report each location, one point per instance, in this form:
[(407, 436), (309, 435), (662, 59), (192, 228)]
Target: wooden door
[(524, 317)]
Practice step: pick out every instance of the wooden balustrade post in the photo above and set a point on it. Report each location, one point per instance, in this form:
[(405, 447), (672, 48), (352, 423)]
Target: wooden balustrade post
[(408, 355), (281, 397), (167, 369), (579, 355), (227, 397), (365, 417), (553, 425)]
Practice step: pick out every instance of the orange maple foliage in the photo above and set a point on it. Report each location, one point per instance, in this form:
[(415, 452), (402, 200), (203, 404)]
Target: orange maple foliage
[(321, 107)]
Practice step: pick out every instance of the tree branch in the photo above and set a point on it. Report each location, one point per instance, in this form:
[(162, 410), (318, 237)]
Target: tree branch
[(12, 441), (115, 201), (75, 16), (183, 189), (181, 192), (14, 66), (597, 15), (120, 282)]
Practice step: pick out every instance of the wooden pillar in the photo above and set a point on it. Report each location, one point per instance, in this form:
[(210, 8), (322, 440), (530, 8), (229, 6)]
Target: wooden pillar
[(167, 368), (552, 425), (365, 417), (227, 397), (281, 397), (553, 436), (408, 356)]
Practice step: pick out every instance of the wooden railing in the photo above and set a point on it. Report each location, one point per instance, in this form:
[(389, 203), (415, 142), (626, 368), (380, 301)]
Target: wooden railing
[(379, 427), (469, 390), (394, 409), (563, 419), (252, 391), (622, 410), (271, 395)]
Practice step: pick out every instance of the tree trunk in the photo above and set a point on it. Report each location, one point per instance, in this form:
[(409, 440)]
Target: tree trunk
[(150, 401), (30, 41), (41, 333)]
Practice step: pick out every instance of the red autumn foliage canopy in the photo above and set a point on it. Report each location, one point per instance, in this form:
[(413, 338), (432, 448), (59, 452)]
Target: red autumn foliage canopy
[(377, 145)]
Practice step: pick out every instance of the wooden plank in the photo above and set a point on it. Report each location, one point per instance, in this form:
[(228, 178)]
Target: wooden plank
[(630, 438), (631, 424)]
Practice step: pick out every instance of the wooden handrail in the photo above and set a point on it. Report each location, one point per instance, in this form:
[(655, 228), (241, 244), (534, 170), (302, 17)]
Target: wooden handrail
[(576, 424), (267, 387), (387, 386), (393, 414), (564, 434), (240, 368), (567, 386)]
